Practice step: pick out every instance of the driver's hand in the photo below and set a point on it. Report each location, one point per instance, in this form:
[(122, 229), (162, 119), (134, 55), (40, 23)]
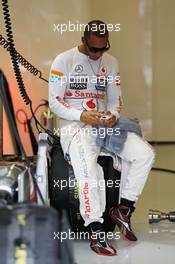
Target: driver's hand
[(91, 117), (110, 122)]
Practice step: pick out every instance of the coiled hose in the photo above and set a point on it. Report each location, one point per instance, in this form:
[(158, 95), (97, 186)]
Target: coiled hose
[(13, 52), (27, 65)]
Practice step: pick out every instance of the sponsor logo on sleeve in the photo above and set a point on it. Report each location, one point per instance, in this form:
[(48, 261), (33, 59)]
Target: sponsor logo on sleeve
[(117, 79), (55, 76), (57, 73), (61, 101), (120, 104)]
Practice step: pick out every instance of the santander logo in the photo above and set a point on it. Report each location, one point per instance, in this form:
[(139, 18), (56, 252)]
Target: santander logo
[(69, 93), (88, 94)]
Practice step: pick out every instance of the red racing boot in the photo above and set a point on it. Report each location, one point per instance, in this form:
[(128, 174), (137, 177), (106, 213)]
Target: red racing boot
[(121, 215), (99, 242)]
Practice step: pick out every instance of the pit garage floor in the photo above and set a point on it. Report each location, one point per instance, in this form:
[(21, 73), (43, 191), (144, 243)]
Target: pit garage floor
[(156, 242)]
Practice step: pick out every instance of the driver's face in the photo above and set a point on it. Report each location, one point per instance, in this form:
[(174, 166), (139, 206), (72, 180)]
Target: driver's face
[(95, 42)]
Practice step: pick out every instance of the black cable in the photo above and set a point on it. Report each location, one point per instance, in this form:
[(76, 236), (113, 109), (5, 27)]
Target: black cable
[(165, 170), (13, 52), (161, 142), (27, 65), (7, 94), (45, 103), (35, 111), (7, 109)]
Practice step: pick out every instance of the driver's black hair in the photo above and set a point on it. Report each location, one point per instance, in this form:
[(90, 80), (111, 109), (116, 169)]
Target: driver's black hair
[(96, 27)]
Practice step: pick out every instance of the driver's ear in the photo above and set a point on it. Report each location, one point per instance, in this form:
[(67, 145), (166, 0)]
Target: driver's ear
[(83, 40)]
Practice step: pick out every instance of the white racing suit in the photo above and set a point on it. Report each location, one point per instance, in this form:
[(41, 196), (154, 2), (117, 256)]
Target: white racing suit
[(76, 84)]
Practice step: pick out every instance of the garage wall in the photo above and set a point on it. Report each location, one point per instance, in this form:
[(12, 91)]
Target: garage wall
[(163, 70), (145, 49)]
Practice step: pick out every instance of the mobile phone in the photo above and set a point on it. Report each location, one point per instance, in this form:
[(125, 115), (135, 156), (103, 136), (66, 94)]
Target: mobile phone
[(106, 117)]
